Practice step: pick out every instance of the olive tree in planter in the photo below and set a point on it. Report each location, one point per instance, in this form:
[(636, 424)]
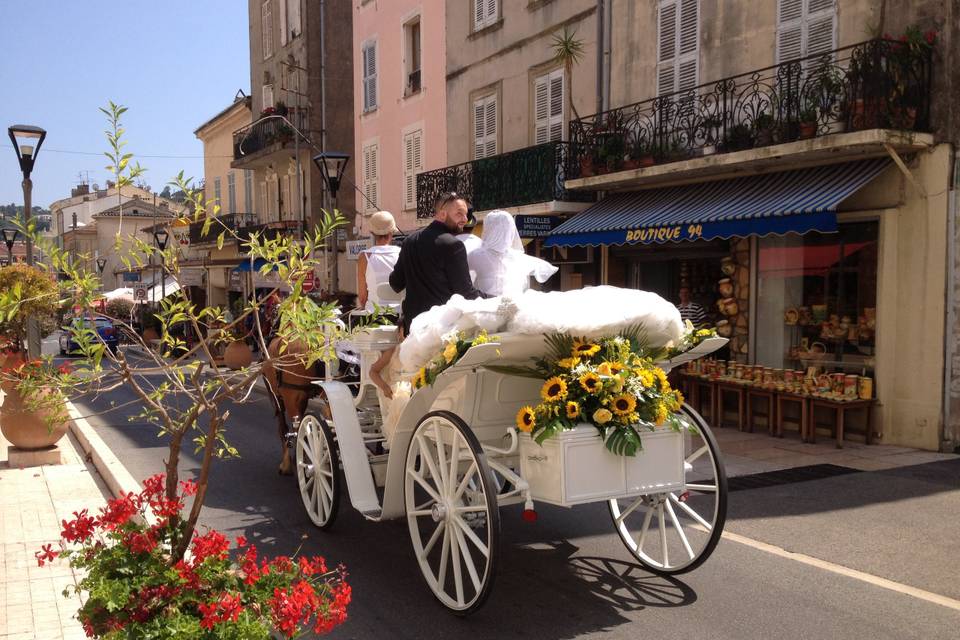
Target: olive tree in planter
[(168, 592)]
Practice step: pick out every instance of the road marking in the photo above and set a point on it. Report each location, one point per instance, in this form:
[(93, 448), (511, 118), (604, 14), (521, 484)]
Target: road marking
[(868, 578)]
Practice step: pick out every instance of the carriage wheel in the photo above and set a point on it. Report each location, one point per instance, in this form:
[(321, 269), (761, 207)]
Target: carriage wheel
[(317, 471), (675, 532), (452, 511)]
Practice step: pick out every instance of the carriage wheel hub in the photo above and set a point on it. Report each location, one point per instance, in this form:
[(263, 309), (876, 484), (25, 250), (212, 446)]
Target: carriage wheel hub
[(438, 512)]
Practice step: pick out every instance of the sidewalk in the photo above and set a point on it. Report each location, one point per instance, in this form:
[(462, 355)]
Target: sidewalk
[(33, 501)]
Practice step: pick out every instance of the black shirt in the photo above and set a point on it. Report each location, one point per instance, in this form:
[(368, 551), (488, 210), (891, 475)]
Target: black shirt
[(432, 267)]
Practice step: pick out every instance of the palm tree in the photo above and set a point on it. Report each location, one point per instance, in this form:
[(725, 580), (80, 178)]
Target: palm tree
[(568, 50)]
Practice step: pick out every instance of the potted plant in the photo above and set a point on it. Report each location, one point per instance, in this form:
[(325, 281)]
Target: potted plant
[(31, 416), (808, 123), (612, 151), (765, 127), (281, 109), (739, 137), (639, 153), (711, 133)]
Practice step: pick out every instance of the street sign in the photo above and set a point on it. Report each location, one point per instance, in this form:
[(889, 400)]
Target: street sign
[(536, 226), (309, 282), (140, 293), (354, 247)]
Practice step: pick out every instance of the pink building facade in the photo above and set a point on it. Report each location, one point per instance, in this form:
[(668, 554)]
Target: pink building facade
[(400, 97)]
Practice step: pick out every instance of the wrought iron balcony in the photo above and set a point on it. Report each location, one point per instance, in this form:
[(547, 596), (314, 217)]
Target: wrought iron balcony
[(268, 230), (230, 221), (512, 179), (878, 84), (269, 133)]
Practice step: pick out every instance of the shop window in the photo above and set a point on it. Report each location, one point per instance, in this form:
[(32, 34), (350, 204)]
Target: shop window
[(817, 300)]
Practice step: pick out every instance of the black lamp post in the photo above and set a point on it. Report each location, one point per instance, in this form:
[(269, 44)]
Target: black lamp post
[(10, 237), (332, 165), (160, 238), (27, 141)]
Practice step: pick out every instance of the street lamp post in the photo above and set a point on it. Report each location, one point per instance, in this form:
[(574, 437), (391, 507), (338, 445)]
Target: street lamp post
[(27, 141), (160, 238), (9, 238), (332, 164)]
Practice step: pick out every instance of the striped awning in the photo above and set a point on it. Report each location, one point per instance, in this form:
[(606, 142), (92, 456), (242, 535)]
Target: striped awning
[(775, 203)]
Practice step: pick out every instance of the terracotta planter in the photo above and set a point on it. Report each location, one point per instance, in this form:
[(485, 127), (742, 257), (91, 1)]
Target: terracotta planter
[(808, 130), (586, 167), (25, 428), (648, 161), (237, 355)]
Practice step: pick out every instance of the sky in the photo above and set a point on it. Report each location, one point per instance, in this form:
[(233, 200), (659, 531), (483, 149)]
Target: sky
[(173, 63)]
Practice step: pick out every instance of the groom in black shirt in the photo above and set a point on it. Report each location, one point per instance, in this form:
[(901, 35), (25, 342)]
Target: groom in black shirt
[(433, 264)]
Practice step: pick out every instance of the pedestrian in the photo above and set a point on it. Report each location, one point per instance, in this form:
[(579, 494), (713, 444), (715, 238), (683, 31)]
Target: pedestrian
[(375, 264), (690, 310)]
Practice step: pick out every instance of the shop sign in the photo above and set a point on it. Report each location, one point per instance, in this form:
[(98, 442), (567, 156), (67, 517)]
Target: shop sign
[(235, 284), (536, 226), (130, 276), (354, 247), (191, 277), (670, 233), (567, 255)]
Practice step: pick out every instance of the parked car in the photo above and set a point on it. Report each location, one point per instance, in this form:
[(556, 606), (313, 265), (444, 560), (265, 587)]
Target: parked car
[(104, 327)]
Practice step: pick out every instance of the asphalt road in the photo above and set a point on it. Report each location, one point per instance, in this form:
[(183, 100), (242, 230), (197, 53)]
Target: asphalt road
[(568, 575)]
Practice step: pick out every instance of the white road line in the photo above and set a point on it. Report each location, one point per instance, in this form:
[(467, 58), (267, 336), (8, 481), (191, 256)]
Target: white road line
[(877, 581)]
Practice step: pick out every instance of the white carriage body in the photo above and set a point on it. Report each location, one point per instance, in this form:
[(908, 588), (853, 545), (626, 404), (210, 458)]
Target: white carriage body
[(572, 469)]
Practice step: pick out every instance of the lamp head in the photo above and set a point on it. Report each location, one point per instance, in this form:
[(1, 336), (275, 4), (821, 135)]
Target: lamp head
[(332, 164), (101, 264), (160, 238), (10, 236), (27, 140)]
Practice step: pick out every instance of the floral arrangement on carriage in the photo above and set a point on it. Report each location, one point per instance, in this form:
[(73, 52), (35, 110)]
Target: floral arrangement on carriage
[(611, 383), (455, 346)]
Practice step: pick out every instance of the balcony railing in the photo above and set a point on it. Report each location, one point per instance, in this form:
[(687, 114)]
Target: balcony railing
[(267, 132), (230, 221), (513, 179), (878, 84), (268, 230)]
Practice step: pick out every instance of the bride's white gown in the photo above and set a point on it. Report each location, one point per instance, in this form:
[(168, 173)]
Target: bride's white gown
[(589, 312)]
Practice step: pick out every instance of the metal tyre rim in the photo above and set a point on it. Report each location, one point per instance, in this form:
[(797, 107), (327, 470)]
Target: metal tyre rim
[(675, 532), (452, 513), (317, 468)]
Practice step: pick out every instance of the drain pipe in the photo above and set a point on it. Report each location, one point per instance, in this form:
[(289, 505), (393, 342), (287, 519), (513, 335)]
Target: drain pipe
[(601, 18), (332, 267)]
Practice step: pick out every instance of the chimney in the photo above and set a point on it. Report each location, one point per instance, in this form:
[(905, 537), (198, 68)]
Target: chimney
[(81, 189)]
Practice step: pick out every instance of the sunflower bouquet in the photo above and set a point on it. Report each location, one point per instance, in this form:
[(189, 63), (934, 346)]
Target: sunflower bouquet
[(455, 345), (691, 337), (611, 383)]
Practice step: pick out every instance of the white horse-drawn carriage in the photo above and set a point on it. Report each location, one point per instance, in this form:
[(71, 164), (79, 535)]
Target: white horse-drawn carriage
[(453, 458)]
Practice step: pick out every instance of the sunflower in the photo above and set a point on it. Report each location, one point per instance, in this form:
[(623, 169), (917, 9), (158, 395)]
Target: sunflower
[(602, 416), (450, 351), (662, 413), (624, 404), (573, 410), (568, 363), (615, 367), (661, 378), (590, 382), (420, 379), (584, 349), (525, 419), (646, 378), (677, 401), (554, 389)]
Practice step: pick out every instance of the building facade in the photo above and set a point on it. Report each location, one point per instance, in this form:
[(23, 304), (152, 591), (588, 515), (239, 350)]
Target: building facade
[(400, 93), (300, 63), (791, 164)]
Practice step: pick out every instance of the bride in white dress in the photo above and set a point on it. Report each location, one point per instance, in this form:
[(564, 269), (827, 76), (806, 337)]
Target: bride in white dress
[(500, 264)]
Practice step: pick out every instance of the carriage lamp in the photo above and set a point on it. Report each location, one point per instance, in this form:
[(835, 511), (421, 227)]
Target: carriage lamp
[(27, 140), (160, 238), (332, 164)]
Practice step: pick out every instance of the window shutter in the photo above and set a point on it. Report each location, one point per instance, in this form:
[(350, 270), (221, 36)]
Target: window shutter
[(370, 76), (247, 190), (556, 105), (541, 109), (491, 15), (667, 49), (266, 29), (267, 96), (294, 15), (479, 129), (231, 193), (688, 45), (484, 13), (370, 178), (412, 165), (805, 28), (491, 118), (820, 37), (284, 33)]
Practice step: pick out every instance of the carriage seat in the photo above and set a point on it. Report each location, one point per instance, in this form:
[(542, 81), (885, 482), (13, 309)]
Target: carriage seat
[(371, 343)]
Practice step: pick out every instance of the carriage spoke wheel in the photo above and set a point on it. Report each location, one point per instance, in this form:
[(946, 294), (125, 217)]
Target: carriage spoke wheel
[(317, 471), (452, 511), (675, 532)]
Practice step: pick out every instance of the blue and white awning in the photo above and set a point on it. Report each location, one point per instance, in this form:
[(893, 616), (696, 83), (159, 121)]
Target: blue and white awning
[(775, 203)]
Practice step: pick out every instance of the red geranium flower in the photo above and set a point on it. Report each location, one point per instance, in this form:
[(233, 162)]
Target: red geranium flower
[(46, 554)]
